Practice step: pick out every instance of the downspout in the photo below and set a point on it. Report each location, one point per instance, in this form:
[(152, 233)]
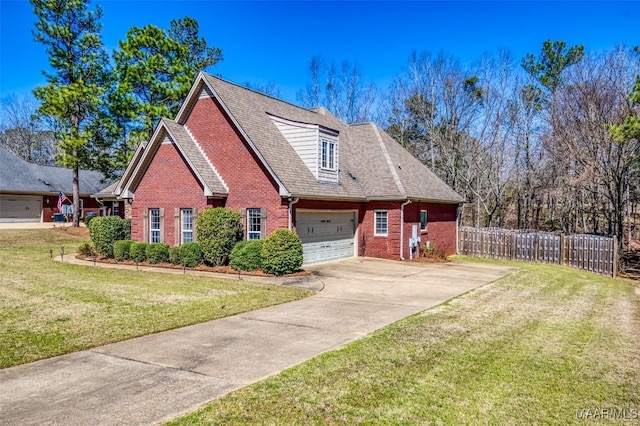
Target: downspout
[(292, 201), (402, 228)]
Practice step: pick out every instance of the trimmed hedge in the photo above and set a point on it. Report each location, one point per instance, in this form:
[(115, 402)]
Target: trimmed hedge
[(247, 255), (105, 230), (217, 231), (157, 253), (175, 255), (121, 249), (138, 251), (190, 254), (282, 252)]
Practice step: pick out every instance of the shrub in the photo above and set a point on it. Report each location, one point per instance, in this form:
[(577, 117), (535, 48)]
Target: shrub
[(105, 230), (217, 231), (157, 252), (87, 219), (175, 255), (87, 249), (138, 252), (282, 252), (246, 255), (190, 254), (121, 249)]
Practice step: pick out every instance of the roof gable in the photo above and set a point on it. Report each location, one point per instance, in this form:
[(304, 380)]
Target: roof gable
[(188, 147), (371, 164)]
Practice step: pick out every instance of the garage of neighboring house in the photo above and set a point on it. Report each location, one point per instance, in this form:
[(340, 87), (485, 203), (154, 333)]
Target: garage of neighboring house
[(20, 208), (326, 235)]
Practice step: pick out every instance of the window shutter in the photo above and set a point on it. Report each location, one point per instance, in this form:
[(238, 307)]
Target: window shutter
[(244, 228), (162, 225), (177, 227), (145, 225), (263, 223), (195, 220)]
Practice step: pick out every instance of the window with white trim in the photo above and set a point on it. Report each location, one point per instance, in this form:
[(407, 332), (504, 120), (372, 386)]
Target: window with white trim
[(186, 221), (154, 225), (381, 223), (328, 157), (254, 224), (423, 220), (115, 208)]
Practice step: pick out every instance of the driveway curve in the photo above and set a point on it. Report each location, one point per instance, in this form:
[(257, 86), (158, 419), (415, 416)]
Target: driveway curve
[(155, 378)]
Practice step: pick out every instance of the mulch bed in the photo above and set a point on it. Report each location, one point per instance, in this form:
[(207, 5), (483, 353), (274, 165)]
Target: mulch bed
[(204, 268)]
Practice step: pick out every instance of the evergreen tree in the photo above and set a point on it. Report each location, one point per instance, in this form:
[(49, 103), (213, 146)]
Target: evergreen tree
[(155, 70)]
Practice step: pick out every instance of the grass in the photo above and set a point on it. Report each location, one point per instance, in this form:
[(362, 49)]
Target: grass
[(48, 308), (532, 348)]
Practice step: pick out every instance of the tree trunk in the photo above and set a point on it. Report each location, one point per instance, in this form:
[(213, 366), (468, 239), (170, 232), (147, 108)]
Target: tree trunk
[(76, 197)]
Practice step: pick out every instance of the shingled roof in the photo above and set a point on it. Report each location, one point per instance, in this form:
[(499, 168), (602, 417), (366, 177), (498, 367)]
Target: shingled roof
[(371, 164), (19, 176)]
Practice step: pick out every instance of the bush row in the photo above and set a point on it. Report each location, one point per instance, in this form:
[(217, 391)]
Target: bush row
[(219, 234)]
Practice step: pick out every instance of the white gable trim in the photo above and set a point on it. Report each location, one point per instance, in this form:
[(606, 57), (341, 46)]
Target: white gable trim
[(186, 106), (155, 141)]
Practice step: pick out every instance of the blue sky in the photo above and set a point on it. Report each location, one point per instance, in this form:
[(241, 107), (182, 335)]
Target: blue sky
[(273, 41)]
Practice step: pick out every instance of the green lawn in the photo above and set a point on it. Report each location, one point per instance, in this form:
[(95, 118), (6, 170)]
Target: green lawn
[(532, 348), (48, 308)]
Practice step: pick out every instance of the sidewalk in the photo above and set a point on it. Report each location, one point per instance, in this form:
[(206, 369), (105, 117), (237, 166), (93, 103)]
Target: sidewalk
[(158, 377)]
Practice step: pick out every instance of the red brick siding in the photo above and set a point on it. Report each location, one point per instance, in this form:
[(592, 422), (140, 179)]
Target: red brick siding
[(168, 184), (441, 224), (250, 184)]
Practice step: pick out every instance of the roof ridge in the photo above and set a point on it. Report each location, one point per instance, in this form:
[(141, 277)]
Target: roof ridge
[(204, 155), (260, 93), (387, 158)]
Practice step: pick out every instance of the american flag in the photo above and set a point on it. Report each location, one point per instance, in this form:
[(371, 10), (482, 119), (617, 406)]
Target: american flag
[(61, 199)]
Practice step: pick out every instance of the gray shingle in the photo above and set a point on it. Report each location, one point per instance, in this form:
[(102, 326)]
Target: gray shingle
[(16, 175), (382, 168)]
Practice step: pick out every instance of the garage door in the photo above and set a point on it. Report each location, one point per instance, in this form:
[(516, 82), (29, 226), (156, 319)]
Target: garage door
[(326, 235), (20, 208)]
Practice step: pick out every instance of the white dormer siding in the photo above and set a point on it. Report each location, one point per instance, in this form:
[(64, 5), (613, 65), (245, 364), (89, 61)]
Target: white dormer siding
[(307, 140)]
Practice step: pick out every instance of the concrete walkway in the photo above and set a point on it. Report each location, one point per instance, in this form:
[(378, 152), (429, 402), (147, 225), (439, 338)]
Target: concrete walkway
[(158, 377)]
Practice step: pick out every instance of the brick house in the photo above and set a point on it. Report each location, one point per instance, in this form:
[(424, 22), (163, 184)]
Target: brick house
[(347, 190), (29, 192)]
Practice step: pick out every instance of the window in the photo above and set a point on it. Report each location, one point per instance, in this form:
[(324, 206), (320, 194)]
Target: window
[(115, 208), (381, 222), (186, 219), (154, 225), (254, 224), (328, 155), (423, 220)]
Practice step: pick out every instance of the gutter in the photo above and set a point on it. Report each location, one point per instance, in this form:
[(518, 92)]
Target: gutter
[(292, 201), (402, 228)]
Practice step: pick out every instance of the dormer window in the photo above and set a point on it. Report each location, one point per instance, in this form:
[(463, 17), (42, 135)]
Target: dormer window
[(317, 146), (328, 161)]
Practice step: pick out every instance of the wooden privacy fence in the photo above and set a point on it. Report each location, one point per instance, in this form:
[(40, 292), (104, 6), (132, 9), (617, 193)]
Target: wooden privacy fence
[(583, 251)]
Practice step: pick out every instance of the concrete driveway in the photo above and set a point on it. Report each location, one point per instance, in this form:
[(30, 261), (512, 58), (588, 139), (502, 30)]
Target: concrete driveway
[(158, 377)]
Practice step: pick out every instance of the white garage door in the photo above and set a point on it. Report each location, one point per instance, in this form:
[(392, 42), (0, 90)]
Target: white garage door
[(20, 208), (326, 235)]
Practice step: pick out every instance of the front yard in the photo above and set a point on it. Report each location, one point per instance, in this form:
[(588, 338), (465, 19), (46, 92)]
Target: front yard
[(48, 308), (547, 345)]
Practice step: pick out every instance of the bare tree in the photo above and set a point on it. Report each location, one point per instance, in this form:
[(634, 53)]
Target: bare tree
[(22, 132), (339, 88)]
